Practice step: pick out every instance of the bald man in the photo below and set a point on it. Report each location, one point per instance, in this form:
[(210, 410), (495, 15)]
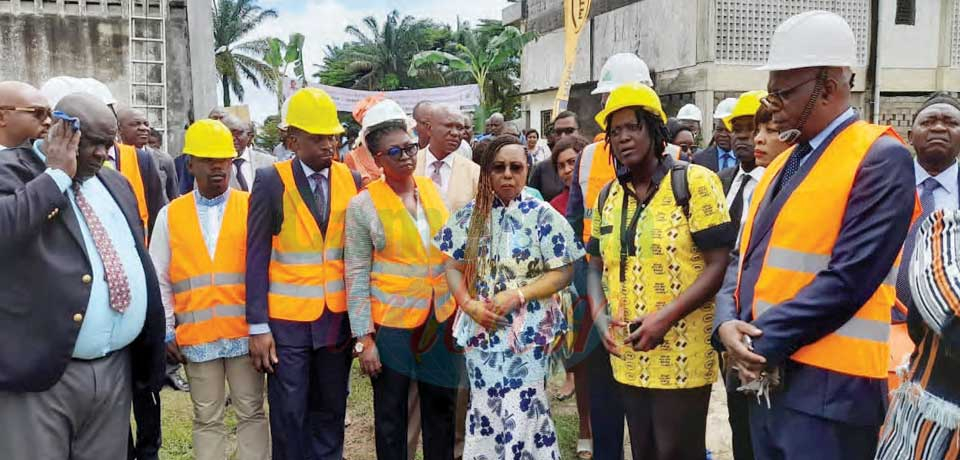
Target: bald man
[(130, 157), (24, 114), (82, 304), (421, 114)]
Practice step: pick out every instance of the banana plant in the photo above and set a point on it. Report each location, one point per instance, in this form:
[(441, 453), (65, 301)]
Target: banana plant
[(280, 56)]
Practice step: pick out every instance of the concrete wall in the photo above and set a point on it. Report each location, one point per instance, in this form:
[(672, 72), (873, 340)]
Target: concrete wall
[(35, 48), (180, 95), (910, 47), (542, 61)]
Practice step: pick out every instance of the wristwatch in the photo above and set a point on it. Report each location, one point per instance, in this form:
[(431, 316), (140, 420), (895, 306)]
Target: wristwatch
[(358, 347)]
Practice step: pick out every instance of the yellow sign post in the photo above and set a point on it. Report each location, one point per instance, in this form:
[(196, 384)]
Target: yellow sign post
[(576, 13)]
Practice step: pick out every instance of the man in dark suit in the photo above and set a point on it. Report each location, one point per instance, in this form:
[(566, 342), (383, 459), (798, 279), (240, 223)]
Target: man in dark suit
[(299, 330), (81, 321), (719, 155), (134, 133)]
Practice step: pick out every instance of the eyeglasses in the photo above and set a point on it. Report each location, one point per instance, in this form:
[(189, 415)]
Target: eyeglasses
[(40, 113), (630, 128), (775, 99), (397, 153), (685, 148), (564, 131), (500, 168)]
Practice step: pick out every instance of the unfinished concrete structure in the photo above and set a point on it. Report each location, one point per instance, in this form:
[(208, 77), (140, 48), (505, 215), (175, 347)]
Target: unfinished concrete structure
[(155, 55), (703, 51)]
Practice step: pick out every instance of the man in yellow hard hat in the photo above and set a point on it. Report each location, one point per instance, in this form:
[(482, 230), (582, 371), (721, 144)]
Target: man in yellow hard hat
[(818, 256), (199, 251), (296, 301)]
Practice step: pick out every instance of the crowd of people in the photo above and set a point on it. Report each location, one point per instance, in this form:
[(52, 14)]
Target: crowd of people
[(458, 271)]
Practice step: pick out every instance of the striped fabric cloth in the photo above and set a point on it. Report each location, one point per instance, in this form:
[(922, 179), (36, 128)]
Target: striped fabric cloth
[(924, 418)]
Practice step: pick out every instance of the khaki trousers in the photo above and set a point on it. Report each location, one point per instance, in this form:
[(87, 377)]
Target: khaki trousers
[(209, 400)]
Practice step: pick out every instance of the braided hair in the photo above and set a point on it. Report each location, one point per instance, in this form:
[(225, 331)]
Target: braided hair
[(479, 228), (656, 129)]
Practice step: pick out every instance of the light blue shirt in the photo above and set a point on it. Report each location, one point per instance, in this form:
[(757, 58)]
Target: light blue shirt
[(725, 159), (105, 330), (820, 138), (946, 196)]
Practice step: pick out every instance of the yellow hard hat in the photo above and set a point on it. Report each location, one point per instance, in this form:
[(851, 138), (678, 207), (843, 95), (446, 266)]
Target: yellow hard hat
[(747, 105), (631, 95), (209, 139), (312, 110)]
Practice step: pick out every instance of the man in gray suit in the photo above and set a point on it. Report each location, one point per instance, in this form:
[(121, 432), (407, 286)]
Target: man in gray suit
[(248, 159)]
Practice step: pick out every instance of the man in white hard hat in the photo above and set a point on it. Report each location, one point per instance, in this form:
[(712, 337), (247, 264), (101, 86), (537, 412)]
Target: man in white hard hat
[(691, 116), (818, 256), (719, 155), (593, 171)]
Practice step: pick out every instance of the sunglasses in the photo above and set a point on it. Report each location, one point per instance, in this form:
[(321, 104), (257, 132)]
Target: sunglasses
[(564, 131), (500, 168), (397, 153), (40, 113)]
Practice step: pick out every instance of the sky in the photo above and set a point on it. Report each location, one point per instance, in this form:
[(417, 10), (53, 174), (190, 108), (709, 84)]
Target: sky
[(322, 22)]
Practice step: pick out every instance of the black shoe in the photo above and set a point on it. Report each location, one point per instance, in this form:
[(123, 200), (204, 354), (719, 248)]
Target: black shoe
[(177, 383)]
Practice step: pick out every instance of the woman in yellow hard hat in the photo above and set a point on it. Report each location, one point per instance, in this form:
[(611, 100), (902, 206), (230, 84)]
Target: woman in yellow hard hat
[(202, 236), (659, 246)]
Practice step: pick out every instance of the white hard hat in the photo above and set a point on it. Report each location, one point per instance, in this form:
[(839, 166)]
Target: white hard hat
[(382, 111), (97, 88), (812, 39), (622, 68), (57, 87), (724, 108), (284, 108), (690, 112)]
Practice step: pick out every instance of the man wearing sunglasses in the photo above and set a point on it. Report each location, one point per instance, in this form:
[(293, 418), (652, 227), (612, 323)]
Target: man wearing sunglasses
[(24, 114), (818, 256), (544, 176)]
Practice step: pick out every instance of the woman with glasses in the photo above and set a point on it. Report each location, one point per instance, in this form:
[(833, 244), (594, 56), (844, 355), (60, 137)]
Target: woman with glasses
[(655, 267), (397, 297), (682, 136), (509, 255)]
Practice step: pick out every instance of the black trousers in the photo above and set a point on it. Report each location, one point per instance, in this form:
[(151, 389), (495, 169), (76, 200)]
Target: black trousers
[(146, 412), (667, 424), (437, 409), (606, 406)]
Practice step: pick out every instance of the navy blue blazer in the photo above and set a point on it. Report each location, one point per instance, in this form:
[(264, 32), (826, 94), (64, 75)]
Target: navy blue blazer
[(42, 283), (874, 226), (707, 158), (264, 220)]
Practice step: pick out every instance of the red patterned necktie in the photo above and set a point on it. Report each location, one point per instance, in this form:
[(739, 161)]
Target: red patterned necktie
[(117, 283)]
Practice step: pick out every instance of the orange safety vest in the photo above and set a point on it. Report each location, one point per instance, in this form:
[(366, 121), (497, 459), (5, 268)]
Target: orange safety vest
[(306, 265), (801, 244), (405, 277), (209, 296), (130, 168), (596, 171)]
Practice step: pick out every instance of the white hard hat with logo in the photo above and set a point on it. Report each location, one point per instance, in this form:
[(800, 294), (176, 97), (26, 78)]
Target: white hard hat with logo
[(620, 69), (724, 108), (812, 39), (690, 112), (382, 111)]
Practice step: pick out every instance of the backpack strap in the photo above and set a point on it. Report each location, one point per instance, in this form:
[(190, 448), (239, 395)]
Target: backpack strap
[(601, 200), (680, 186)]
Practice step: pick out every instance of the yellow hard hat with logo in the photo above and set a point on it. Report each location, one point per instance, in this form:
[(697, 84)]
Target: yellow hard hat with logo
[(209, 139), (747, 105), (631, 95), (313, 110)]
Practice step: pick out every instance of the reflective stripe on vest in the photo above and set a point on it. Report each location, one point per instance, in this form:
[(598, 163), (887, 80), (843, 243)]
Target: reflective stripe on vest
[(405, 277), (801, 245), (596, 170), (306, 265), (130, 168), (208, 295)]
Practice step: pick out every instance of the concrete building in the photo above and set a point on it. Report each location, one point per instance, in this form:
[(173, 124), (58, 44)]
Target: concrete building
[(154, 55), (702, 51)]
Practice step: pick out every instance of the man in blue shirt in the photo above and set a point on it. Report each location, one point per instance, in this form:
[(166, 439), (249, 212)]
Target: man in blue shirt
[(82, 305)]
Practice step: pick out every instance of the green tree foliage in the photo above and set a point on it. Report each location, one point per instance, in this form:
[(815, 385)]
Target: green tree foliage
[(268, 136), (236, 59), (280, 56)]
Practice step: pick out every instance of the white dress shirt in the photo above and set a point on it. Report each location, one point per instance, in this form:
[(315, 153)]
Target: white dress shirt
[(946, 196), (445, 171), (246, 168), (755, 175)]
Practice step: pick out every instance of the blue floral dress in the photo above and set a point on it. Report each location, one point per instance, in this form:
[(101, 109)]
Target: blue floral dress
[(509, 413)]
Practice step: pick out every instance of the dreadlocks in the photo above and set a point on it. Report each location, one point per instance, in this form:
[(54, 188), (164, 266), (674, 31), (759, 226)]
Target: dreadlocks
[(479, 228)]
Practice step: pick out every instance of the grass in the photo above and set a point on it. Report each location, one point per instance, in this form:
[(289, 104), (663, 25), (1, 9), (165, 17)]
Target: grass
[(177, 419)]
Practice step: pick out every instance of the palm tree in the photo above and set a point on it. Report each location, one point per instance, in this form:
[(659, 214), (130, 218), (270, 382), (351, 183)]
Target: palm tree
[(381, 55), (237, 60)]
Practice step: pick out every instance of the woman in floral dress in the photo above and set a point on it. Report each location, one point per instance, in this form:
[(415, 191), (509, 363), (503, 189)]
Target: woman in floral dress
[(510, 254)]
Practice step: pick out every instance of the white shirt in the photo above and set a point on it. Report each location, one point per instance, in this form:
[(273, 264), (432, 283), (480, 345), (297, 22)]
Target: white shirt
[(464, 150), (754, 176), (446, 170), (246, 169), (210, 214), (946, 196)]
